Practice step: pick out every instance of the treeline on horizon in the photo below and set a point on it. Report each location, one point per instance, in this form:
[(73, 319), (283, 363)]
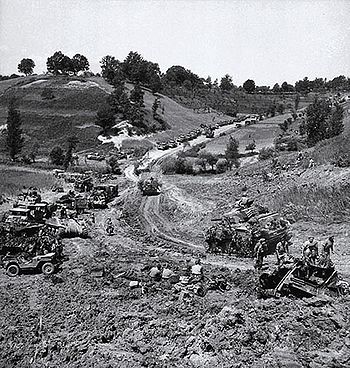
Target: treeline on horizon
[(136, 69)]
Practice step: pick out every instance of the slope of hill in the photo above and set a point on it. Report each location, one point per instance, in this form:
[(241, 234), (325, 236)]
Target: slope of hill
[(54, 108)]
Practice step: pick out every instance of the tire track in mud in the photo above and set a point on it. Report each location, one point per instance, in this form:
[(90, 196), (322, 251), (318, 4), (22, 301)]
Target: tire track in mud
[(150, 210), (152, 220)]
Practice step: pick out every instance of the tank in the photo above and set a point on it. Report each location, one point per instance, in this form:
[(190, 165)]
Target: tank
[(149, 186), (238, 232)]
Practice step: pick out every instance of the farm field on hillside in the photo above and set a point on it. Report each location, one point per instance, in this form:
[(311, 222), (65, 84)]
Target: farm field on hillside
[(13, 179)]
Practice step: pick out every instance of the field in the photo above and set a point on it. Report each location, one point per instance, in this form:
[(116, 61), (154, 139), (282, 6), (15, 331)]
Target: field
[(13, 179)]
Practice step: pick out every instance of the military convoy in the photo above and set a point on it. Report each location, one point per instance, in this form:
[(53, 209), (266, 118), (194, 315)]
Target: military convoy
[(31, 232), (237, 232)]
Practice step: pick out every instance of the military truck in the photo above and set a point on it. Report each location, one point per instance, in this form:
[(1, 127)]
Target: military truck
[(110, 190), (46, 263), (19, 216), (84, 184), (239, 231), (41, 211)]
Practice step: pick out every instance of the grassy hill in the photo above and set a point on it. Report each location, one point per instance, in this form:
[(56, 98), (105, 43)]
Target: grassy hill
[(54, 108), (70, 109)]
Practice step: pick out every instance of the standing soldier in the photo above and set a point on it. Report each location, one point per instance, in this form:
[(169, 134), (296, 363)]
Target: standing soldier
[(260, 251), (308, 246), (328, 247), (281, 251), (109, 226)]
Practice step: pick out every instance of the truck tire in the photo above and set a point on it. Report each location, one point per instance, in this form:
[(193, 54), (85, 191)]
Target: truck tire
[(12, 270), (48, 268)]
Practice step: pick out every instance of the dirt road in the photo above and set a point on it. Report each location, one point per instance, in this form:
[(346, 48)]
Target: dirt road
[(160, 227)]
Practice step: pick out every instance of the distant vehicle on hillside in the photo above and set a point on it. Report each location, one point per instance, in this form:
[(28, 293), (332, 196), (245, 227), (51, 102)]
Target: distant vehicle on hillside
[(95, 157)]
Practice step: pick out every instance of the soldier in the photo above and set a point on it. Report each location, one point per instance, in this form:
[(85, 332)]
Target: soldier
[(309, 245), (260, 251), (328, 248), (167, 272), (281, 251), (109, 226), (197, 270), (311, 163), (155, 272)]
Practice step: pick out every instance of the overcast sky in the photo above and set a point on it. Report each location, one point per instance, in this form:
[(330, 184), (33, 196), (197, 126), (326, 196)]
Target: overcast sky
[(266, 40)]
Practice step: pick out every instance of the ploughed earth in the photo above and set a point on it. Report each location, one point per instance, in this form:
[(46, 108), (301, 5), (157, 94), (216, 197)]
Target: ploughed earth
[(87, 315)]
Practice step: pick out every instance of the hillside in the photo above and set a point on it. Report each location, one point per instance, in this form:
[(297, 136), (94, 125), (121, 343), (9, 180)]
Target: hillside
[(54, 108)]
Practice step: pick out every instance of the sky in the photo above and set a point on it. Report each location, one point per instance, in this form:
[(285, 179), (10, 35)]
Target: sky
[(266, 40)]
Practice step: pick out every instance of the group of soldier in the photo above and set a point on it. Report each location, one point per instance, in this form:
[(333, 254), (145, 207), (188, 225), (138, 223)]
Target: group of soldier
[(311, 253), (191, 271)]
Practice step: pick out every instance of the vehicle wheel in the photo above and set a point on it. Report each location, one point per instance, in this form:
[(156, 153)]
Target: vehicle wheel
[(48, 268), (12, 270)]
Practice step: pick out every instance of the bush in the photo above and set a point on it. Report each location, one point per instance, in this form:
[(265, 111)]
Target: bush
[(267, 152), (289, 143), (178, 165), (221, 166), (57, 156), (113, 164)]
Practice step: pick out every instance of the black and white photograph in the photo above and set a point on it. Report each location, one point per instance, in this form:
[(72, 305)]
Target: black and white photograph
[(174, 183)]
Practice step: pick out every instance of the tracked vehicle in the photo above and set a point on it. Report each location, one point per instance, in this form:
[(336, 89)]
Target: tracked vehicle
[(303, 280), (150, 186), (238, 232)]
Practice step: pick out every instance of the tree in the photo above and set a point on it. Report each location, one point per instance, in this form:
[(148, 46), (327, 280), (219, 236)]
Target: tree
[(71, 143), (178, 74), (249, 85), (209, 158), (155, 83), (136, 95), (276, 88), (135, 115), (287, 87), (57, 156), (79, 63), (221, 166), (232, 152), (303, 86), (316, 126), (14, 139), (112, 70), (272, 109), (26, 66), (59, 63), (209, 82), (280, 108), (336, 125), (105, 119), (251, 146), (155, 106), (119, 101), (226, 83), (137, 69), (34, 151)]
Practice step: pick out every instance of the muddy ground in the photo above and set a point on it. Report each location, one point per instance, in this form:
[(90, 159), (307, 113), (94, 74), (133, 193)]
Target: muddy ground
[(78, 319)]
